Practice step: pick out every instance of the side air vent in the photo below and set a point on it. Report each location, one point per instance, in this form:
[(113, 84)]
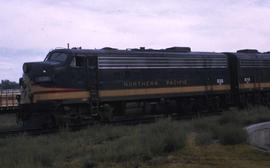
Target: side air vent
[(248, 51), (109, 48), (178, 49), (76, 48), (140, 49), (172, 49)]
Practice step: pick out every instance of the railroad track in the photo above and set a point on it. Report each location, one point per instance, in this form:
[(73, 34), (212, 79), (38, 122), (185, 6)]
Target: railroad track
[(117, 121), (23, 131), (8, 110), (4, 133)]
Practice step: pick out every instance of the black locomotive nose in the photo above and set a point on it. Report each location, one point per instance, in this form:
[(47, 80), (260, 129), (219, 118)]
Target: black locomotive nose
[(37, 69)]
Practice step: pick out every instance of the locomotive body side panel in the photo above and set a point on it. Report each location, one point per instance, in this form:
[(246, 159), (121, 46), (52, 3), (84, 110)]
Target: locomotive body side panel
[(264, 71), (156, 75), (253, 72), (131, 75)]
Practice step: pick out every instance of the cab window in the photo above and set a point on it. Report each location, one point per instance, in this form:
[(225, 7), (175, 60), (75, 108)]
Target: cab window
[(78, 62), (56, 57)]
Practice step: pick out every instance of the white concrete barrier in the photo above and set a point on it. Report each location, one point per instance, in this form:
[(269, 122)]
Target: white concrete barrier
[(259, 135)]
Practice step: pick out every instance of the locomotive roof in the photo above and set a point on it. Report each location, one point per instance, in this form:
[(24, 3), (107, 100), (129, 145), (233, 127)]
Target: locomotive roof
[(241, 54), (253, 55), (134, 51)]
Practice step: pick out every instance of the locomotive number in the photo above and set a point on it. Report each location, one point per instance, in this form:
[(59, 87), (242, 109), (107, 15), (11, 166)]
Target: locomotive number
[(220, 81), (247, 80)]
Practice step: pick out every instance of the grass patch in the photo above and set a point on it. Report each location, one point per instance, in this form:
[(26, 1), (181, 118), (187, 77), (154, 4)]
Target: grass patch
[(232, 134), (144, 143), (163, 136), (158, 144), (246, 116), (204, 138), (228, 128), (94, 145)]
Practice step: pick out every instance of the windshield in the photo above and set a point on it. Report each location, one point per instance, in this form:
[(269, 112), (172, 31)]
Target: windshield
[(56, 57)]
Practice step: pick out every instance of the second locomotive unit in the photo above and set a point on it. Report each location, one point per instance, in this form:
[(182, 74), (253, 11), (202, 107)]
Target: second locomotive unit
[(76, 85)]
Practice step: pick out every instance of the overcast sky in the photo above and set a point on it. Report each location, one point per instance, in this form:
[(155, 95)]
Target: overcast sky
[(30, 28)]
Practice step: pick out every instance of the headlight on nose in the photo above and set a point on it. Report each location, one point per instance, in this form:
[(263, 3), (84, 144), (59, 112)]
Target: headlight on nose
[(43, 79)]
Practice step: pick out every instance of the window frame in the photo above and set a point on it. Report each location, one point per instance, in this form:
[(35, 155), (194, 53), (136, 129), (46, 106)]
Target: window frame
[(47, 58), (74, 59)]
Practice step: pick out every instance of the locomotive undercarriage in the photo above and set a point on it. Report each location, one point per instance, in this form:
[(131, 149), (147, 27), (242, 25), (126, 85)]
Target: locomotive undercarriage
[(69, 113), (56, 113), (254, 98)]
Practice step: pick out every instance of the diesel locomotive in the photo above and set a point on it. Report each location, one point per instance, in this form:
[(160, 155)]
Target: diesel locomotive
[(77, 85)]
